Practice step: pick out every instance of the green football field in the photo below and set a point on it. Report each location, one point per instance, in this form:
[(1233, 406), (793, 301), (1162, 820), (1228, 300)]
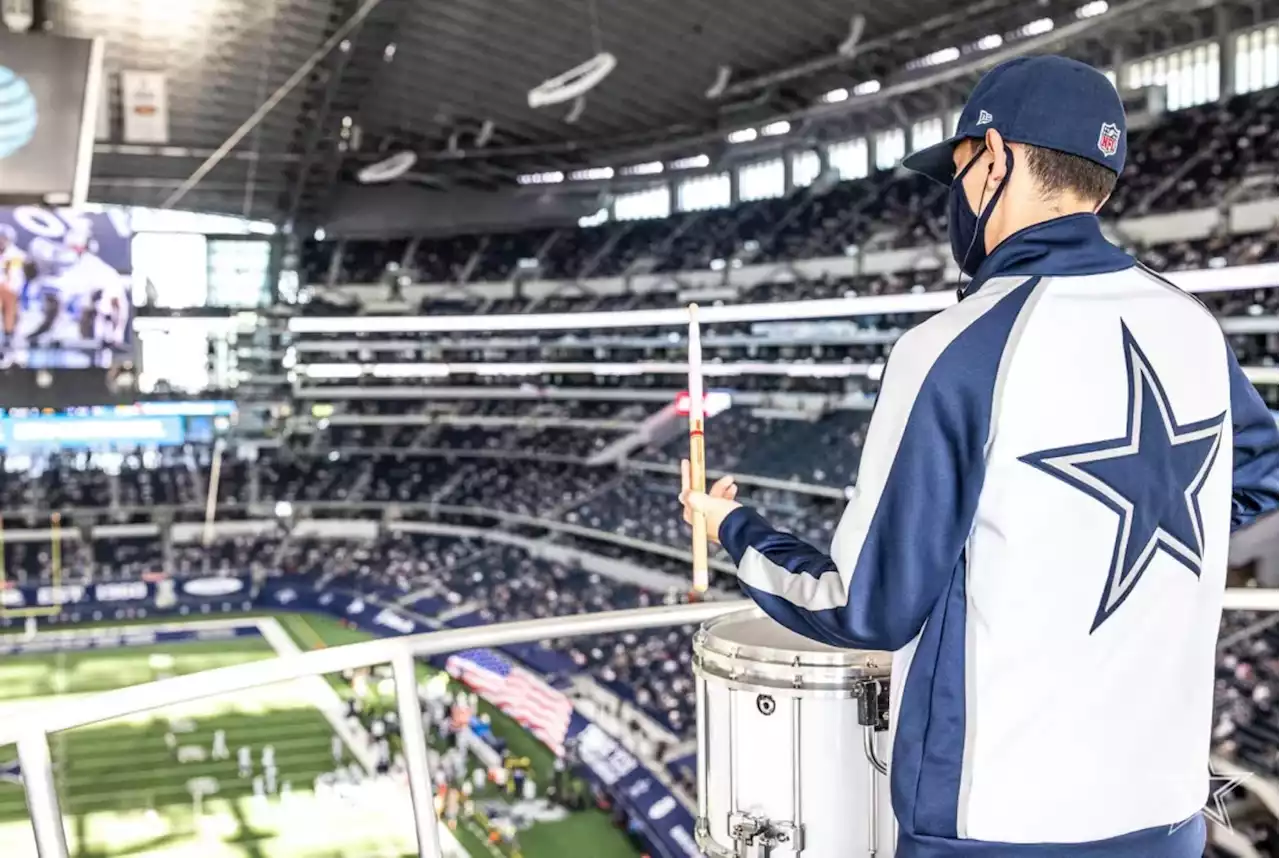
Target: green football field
[(124, 793)]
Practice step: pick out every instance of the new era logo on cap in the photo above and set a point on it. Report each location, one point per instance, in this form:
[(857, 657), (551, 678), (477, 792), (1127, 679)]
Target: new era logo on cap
[(1109, 139), (984, 118)]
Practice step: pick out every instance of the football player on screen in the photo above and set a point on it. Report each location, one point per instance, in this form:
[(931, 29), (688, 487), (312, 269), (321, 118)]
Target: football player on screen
[(13, 277), (71, 282)]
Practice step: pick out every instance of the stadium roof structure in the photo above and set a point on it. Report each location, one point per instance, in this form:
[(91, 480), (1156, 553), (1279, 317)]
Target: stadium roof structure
[(449, 80)]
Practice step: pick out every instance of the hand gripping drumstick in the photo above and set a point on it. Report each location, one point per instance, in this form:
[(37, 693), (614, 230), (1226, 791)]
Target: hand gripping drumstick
[(697, 451)]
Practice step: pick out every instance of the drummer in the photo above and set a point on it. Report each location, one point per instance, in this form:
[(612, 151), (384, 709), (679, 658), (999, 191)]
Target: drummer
[(1040, 526)]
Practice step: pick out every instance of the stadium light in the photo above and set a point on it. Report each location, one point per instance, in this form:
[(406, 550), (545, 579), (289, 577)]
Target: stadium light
[(989, 43), (1258, 276), (495, 369), (937, 58), (773, 129), (1035, 28), (591, 174), (551, 177), (836, 95), (1092, 10), (867, 87), (695, 162), (646, 169), (742, 135)]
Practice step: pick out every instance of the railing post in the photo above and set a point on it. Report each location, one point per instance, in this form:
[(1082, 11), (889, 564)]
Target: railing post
[(42, 794), (414, 743)]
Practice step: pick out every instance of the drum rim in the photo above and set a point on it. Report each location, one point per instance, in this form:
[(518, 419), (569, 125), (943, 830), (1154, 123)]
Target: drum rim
[(705, 642)]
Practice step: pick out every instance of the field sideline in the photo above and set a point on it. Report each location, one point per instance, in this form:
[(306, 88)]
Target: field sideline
[(124, 794)]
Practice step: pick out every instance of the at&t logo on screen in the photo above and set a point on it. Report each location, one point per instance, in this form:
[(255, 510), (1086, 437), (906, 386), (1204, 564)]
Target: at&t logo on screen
[(18, 114)]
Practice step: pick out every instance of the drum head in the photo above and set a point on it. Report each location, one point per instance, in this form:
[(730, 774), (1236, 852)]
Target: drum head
[(754, 629), (748, 646)]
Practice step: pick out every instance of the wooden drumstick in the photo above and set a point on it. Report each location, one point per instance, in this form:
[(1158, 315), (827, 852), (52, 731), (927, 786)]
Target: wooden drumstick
[(697, 451)]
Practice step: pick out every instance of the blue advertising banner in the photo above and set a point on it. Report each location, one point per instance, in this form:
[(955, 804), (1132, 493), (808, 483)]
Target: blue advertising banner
[(80, 432), (665, 822), (121, 600)]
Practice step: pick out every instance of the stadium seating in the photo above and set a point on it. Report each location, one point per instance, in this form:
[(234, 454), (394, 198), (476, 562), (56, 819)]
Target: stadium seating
[(890, 209), (1246, 721), (499, 582), (535, 457)]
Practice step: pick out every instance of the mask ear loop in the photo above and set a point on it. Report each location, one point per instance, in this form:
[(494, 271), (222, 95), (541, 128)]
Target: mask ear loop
[(981, 202)]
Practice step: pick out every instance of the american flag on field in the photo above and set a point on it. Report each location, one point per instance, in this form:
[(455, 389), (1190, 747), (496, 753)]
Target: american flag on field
[(516, 691)]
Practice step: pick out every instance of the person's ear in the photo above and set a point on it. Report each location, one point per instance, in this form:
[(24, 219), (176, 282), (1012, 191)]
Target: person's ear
[(999, 164)]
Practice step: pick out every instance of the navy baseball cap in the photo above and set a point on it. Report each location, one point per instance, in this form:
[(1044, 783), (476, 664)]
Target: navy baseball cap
[(1045, 101)]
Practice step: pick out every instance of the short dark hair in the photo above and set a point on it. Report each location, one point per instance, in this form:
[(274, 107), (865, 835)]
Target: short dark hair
[(1057, 172)]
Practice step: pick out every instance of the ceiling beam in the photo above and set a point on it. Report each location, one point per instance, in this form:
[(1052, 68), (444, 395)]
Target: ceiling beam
[(314, 124)]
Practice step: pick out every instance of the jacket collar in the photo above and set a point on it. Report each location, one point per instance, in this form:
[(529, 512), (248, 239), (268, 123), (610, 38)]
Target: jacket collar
[(1068, 246)]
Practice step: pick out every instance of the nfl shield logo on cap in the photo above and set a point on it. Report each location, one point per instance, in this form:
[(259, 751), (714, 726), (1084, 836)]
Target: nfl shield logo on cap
[(1109, 139)]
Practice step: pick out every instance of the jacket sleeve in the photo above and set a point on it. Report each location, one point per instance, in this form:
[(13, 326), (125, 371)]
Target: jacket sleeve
[(901, 539), (1255, 465)]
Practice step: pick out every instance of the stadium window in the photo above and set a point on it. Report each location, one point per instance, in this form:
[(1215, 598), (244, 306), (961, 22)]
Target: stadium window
[(175, 220), (763, 180), (1271, 60), (652, 202), (176, 266), (174, 357), (238, 270), (953, 121), (704, 192), (925, 133), (1175, 84), (1189, 76), (805, 167), (891, 145), (849, 158), (1257, 60)]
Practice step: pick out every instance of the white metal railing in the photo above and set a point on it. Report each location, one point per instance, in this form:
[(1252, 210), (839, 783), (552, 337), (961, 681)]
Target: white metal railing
[(31, 729)]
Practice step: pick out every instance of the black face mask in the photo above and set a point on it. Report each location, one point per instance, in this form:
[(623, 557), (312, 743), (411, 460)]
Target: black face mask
[(966, 227)]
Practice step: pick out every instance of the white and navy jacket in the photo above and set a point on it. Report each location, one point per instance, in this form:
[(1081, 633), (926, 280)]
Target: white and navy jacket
[(1039, 533)]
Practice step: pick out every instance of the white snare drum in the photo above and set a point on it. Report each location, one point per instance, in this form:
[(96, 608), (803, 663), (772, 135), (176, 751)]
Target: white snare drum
[(785, 766)]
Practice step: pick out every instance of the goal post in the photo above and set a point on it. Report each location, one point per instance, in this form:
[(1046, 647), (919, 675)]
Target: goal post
[(9, 611)]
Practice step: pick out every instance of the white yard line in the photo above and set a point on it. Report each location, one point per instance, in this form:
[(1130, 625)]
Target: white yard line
[(314, 690), (321, 695)]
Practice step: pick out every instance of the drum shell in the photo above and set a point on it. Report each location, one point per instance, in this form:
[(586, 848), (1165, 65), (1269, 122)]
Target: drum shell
[(779, 738)]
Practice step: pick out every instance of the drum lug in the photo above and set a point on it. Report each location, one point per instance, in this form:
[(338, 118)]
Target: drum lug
[(873, 704), (757, 837)]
